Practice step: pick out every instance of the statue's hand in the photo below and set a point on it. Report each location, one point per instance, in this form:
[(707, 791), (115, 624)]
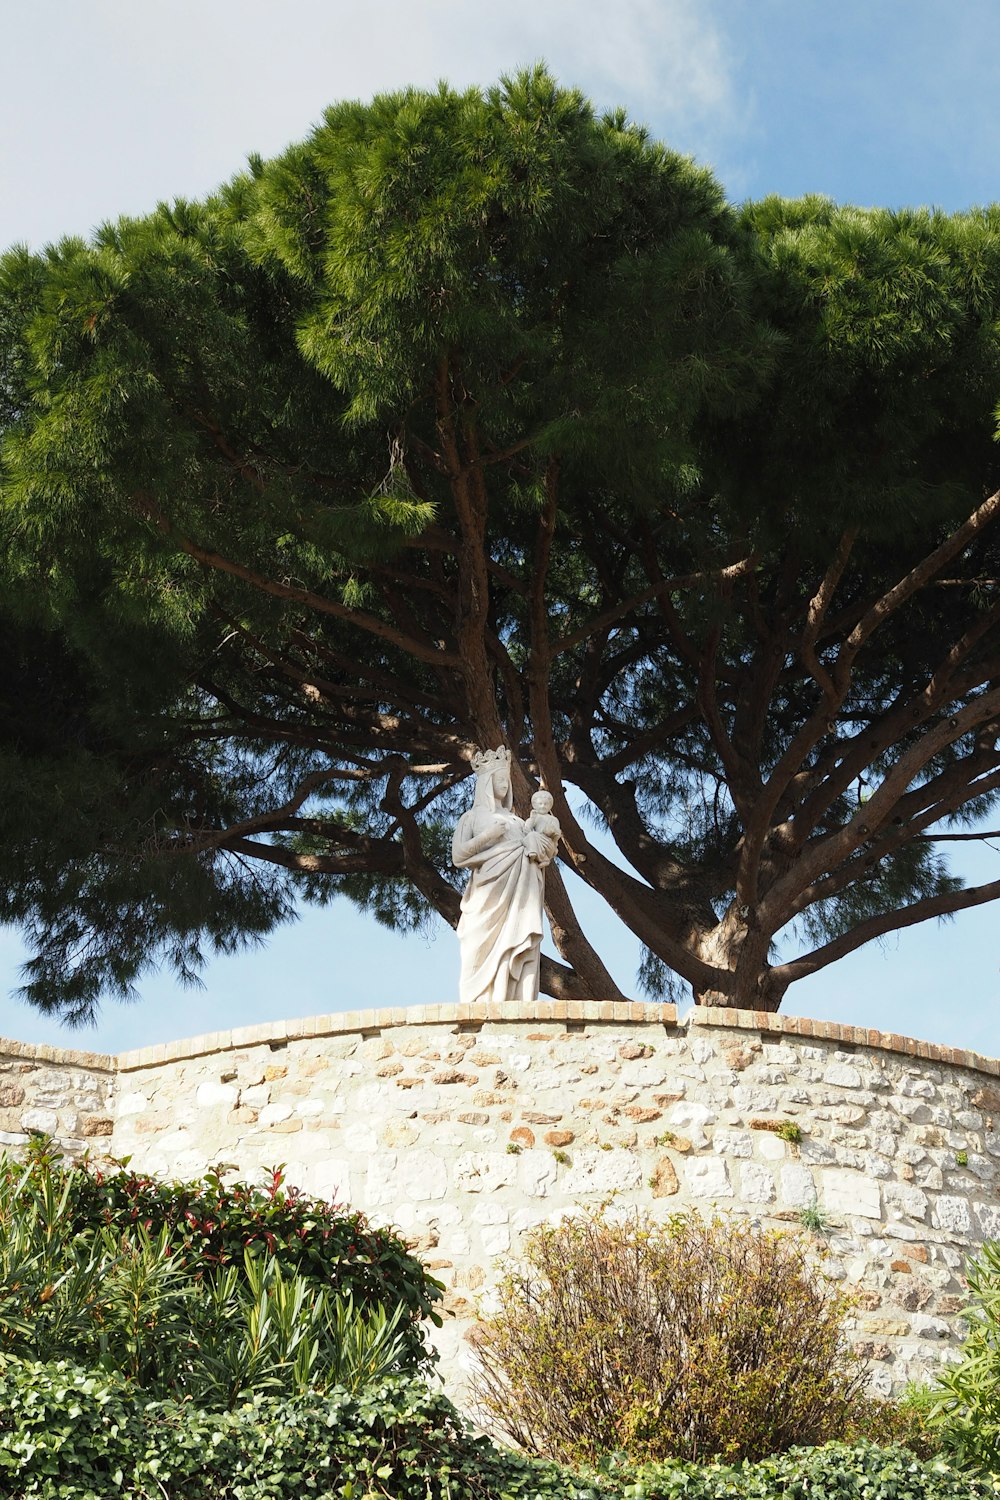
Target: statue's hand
[(491, 834)]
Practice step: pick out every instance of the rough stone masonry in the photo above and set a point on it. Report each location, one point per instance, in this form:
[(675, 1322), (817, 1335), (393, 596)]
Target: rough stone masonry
[(462, 1126)]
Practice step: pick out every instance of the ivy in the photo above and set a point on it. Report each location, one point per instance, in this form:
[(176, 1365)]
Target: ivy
[(68, 1433)]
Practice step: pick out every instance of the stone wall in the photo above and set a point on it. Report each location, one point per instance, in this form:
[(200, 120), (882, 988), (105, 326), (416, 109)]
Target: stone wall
[(60, 1093), (464, 1125)]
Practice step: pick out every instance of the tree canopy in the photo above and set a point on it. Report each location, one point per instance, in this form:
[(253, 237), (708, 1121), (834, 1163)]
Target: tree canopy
[(479, 418)]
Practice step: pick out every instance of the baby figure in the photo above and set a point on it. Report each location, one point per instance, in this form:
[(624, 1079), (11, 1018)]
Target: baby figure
[(545, 828)]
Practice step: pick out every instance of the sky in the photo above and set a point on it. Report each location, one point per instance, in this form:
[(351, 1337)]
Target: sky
[(108, 106)]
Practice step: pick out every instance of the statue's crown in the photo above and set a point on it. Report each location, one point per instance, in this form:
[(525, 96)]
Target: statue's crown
[(490, 760)]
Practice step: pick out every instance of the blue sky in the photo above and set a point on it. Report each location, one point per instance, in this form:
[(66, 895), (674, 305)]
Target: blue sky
[(108, 106)]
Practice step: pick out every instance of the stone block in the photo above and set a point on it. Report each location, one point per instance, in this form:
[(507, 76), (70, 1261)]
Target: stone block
[(988, 1219), (311, 1109), (904, 1202), (215, 1095), (692, 1117), (707, 1177), (770, 1147), (798, 1187), (739, 1055), (132, 1103), (733, 1143), (842, 1075), (911, 1293), (604, 1172), (756, 1183), (537, 1173), (274, 1114), (544, 1081), (664, 1183), (848, 1192), (484, 1171), (951, 1214)]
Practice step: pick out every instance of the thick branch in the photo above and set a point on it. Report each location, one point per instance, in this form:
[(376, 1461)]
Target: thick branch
[(924, 571), (907, 916), (618, 612)]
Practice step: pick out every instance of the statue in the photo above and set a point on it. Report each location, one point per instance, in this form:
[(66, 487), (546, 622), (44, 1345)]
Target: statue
[(500, 929)]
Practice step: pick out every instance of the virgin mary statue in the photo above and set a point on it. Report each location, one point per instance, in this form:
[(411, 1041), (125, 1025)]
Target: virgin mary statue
[(500, 929)]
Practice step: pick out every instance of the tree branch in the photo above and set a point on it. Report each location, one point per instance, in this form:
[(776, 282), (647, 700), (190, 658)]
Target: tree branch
[(432, 655), (782, 975)]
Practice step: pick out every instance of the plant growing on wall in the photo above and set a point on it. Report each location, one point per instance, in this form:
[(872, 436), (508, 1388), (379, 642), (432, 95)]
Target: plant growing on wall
[(480, 418)]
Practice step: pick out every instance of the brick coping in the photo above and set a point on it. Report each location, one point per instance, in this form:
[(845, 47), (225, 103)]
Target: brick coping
[(580, 1012), (97, 1062)]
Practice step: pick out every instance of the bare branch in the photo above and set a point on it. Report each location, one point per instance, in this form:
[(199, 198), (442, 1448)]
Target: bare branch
[(618, 612), (907, 916), (816, 614)]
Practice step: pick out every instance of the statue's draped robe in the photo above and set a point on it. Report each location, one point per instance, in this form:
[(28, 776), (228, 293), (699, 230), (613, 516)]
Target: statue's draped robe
[(500, 929)]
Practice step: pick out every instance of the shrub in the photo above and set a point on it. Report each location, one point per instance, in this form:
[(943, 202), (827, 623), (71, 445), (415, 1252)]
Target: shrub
[(835, 1471), (84, 1435), (681, 1339), (212, 1223), (73, 1434), (965, 1404), (146, 1301)]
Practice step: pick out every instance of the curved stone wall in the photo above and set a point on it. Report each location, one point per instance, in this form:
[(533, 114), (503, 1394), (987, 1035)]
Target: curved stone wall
[(464, 1125)]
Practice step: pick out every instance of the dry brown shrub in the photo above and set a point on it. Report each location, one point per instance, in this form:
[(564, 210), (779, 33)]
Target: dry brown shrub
[(680, 1339)]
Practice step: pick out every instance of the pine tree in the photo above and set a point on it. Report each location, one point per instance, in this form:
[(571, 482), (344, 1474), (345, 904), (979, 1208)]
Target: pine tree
[(478, 418)]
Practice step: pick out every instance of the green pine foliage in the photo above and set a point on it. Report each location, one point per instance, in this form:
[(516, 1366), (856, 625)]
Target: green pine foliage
[(479, 416)]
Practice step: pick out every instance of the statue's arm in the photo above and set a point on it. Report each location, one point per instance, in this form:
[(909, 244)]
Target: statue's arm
[(465, 848)]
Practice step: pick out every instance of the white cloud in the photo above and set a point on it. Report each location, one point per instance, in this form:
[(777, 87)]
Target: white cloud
[(109, 106)]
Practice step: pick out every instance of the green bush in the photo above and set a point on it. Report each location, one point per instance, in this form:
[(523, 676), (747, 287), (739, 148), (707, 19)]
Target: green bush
[(81, 1434), (835, 1471), (965, 1404), (127, 1295), (675, 1340), (73, 1434), (212, 1223)]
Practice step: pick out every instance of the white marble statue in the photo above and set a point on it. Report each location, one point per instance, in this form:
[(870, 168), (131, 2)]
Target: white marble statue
[(500, 929)]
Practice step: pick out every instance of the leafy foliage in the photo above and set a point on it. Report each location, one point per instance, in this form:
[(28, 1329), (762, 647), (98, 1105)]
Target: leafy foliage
[(118, 1270), (68, 1433), (964, 1404), (679, 1340), (836, 1471), (212, 1223)]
